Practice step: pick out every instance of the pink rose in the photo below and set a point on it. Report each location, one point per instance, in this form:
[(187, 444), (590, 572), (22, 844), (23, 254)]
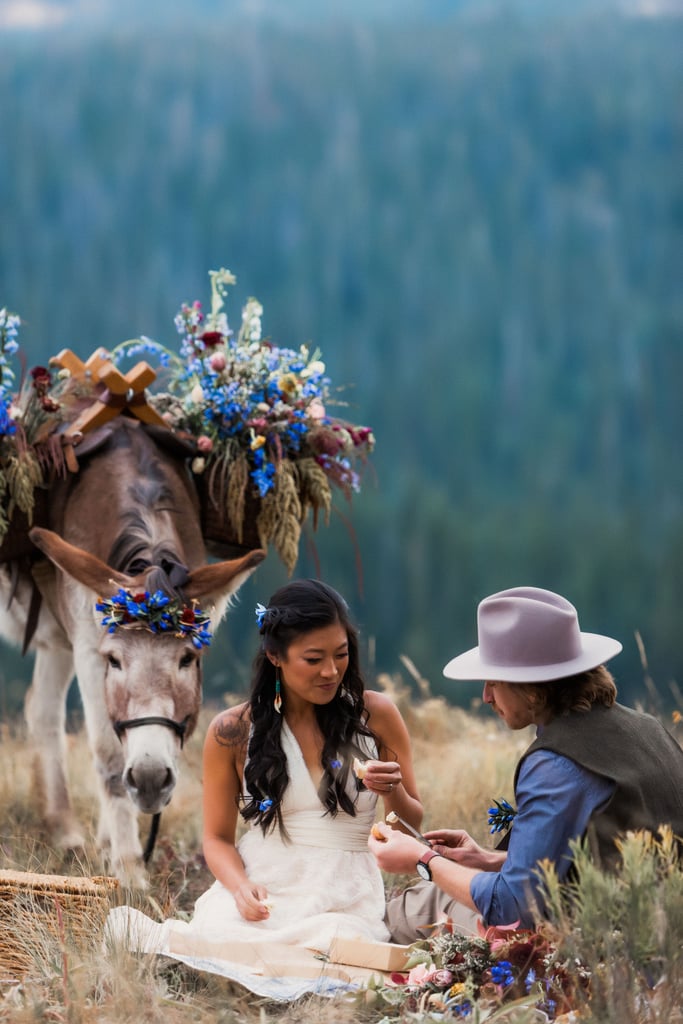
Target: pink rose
[(442, 978), (419, 974), (316, 410), (204, 444), (217, 362)]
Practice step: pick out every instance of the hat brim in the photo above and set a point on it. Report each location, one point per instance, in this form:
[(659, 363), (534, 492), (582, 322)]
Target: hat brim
[(595, 650)]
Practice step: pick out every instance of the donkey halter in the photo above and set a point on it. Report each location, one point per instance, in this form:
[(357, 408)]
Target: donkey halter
[(179, 728)]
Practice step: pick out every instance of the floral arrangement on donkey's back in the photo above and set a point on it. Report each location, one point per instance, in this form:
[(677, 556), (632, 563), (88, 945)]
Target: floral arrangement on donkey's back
[(266, 449)]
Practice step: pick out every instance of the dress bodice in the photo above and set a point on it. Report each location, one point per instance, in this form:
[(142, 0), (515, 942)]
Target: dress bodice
[(307, 821)]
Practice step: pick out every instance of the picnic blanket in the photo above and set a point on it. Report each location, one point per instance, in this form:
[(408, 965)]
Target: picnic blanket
[(275, 970)]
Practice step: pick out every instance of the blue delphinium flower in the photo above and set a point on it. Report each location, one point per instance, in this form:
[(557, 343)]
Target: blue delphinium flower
[(501, 816), (9, 329), (7, 424), (501, 973), (265, 805), (336, 763), (142, 346), (463, 1009), (263, 475)]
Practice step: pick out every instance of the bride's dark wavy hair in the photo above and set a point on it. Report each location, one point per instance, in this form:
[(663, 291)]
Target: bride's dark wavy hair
[(296, 609)]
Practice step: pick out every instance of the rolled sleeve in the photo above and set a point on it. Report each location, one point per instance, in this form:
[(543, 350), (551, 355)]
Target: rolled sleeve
[(555, 801)]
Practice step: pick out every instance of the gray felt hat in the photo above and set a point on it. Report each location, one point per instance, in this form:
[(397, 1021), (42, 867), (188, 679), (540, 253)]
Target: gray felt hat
[(528, 635)]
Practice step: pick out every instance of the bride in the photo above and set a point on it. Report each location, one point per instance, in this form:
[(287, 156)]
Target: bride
[(289, 761)]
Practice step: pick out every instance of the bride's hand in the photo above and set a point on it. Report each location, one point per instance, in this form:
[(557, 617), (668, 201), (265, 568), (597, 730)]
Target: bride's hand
[(250, 899), (381, 777)]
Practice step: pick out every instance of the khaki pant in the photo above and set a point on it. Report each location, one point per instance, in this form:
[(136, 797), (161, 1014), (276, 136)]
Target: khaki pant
[(412, 914)]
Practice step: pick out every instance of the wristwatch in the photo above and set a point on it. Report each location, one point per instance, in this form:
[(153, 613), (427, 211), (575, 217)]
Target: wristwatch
[(422, 866)]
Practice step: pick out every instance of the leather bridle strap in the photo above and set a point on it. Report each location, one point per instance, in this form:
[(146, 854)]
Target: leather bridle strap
[(179, 728)]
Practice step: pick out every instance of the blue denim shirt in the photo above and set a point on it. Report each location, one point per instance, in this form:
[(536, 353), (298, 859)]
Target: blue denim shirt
[(555, 800)]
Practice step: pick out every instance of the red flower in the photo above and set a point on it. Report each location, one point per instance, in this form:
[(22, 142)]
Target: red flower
[(212, 338), (41, 381), (188, 616), (139, 598)]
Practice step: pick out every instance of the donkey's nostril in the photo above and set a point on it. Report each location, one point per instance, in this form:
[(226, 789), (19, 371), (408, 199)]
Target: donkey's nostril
[(129, 780)]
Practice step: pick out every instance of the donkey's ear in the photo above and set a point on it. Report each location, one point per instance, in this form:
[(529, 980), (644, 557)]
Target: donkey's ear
[(220, 581), (84, 567)]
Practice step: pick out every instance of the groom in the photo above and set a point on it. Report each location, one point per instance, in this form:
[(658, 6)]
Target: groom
[(595, 770)]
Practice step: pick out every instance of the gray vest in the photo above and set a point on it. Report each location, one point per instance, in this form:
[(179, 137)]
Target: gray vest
[(636, 752)]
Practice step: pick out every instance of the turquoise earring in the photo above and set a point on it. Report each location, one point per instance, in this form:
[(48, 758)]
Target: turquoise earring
[(277, 703)]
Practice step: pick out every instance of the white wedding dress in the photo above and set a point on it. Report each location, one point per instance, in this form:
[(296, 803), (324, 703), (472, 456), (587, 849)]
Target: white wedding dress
[(323, 883)]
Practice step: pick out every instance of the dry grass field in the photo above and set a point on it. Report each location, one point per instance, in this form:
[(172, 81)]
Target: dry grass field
[(463, 760)]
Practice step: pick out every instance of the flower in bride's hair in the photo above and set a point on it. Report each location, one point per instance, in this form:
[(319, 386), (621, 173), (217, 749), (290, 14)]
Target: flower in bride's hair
[(336, 763), (266, 804), (260, 612)]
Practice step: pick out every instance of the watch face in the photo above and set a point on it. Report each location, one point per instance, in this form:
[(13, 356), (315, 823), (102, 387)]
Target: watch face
[(423, 871), (422, 867)]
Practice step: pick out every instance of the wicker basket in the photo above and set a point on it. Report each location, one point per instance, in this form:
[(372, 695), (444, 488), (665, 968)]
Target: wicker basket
[(218, 532), (40, 914)]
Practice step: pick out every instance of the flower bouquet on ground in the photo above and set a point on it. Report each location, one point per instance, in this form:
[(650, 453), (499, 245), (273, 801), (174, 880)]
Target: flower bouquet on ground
[(502, 971), (267, 448)]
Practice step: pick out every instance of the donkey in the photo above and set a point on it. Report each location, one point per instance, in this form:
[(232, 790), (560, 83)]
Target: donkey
[(128, 519)]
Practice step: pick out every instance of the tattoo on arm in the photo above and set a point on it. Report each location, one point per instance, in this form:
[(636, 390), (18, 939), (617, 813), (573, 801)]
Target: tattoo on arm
[(231, 732)]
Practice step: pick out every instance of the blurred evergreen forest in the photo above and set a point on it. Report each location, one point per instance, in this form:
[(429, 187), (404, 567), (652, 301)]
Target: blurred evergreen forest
[(474, 210)]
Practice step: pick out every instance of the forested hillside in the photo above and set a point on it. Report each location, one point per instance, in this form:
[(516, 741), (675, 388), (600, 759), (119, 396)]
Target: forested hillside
[(477, 219)]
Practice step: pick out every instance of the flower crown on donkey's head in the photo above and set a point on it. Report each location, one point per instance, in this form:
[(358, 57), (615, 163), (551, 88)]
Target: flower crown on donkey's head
[(157, 613)]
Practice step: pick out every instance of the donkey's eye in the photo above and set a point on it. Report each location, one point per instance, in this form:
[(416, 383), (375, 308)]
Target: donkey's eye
[(113, 662), (187, 659)]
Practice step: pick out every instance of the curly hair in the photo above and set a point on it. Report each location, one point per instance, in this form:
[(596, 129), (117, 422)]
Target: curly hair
[(295, 609), (573, 693)]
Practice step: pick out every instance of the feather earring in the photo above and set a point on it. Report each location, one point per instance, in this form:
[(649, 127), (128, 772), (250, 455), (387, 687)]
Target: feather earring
[(277, 703)]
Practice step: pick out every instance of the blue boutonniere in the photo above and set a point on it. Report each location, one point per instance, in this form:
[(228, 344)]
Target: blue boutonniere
[(501, 816)]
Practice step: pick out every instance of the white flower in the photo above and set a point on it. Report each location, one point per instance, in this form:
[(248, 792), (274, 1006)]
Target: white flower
[(316, 367), (197, 395), (198, 465)]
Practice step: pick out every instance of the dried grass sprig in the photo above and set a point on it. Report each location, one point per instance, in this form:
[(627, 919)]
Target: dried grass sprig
[(236, 493), (314, 490), (23, 475)]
